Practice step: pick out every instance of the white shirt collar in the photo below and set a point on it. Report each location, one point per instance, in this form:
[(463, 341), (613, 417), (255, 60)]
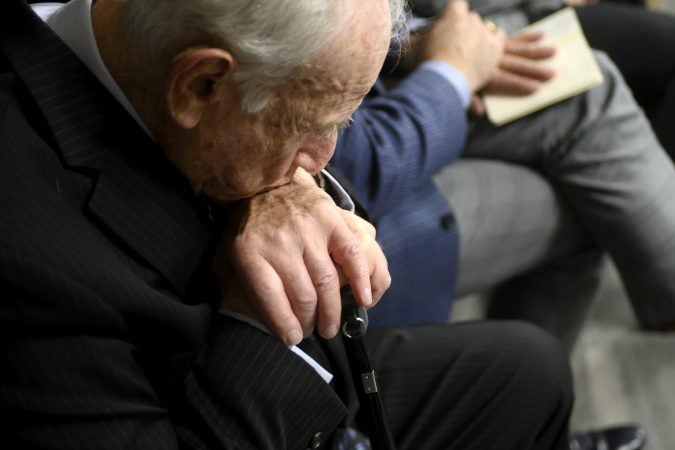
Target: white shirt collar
[(72, 23)]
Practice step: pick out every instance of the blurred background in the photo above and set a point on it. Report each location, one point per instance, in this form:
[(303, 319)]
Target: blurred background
[(622, 374), (665, 5)]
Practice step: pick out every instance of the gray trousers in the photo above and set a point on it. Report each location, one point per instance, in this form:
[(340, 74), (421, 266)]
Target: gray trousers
[(536, 200)]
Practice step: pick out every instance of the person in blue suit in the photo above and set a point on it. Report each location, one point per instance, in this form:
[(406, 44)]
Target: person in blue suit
[(530, 207)]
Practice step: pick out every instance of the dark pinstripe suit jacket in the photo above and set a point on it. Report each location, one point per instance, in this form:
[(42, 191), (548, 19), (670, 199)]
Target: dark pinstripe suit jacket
[(399, 139), (107, 337)]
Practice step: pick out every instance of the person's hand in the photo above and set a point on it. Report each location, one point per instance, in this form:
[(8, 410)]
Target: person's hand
[(520, 70), (460, 38), (285, 254)]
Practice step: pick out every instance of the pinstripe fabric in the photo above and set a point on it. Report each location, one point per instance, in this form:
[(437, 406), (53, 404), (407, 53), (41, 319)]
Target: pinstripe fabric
[(86, 124), (473, 386), (389, 154), (107, 340)]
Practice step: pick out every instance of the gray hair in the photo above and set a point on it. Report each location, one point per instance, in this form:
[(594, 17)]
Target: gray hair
[(269, 38)]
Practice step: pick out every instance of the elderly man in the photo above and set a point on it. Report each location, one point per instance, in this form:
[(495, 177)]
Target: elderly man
[(158, 210)]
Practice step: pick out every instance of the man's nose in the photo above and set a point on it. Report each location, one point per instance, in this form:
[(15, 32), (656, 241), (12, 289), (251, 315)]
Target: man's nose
[(315, 152)]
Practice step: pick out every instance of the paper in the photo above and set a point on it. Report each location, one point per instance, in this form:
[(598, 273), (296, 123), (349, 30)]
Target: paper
[(574, 63)]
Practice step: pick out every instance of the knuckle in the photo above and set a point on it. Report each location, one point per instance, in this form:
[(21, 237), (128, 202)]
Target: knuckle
[(387, 282), (249, 246), (352, 251), (381, 286), (306, 301), (282, 322), (305, 313), (369, 228), (240, 245), (279, 238), (326, 282), (268, 296), (285, 322)]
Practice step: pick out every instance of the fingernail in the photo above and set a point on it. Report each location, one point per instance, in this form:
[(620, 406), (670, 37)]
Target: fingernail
[(330, 331), (367, 297), (294, 337)]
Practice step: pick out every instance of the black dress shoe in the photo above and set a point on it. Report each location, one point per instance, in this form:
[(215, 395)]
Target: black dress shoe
[(627, 437)]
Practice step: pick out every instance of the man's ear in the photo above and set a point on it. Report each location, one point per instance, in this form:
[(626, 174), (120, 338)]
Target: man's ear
[(196, 79)]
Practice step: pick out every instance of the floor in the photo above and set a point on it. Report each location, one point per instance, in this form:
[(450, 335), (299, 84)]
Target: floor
[(623, 374)]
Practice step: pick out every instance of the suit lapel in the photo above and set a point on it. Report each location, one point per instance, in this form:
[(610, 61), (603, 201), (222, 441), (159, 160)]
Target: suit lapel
[(70, 98), (137, 194), (155, 217)]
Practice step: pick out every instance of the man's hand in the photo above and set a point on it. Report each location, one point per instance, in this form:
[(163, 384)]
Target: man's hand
[(460, 38), (285, 254), (520, 70)]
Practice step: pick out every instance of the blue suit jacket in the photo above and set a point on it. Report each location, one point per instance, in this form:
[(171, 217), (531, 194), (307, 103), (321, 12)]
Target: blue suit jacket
[(399, 139)]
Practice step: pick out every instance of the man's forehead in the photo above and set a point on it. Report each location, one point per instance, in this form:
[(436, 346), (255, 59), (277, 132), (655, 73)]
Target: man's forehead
[(316, 90), (313, 81), (309, 106), (333, 83), (349, 64)]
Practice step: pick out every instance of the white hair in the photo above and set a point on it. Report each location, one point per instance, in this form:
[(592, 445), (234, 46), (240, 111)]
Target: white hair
[(269, 38)]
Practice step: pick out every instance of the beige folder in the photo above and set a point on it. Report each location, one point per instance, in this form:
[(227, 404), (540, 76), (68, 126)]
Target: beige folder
[(574, 63)]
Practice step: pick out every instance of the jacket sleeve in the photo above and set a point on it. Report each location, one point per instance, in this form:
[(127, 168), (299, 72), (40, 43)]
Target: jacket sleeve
[(250, 391), (400, 138), (75, 376)]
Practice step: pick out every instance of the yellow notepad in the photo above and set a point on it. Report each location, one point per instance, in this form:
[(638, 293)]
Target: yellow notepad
[(574, 63)]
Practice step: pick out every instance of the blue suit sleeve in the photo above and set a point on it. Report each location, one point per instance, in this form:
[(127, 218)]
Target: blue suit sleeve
[(400, 138)]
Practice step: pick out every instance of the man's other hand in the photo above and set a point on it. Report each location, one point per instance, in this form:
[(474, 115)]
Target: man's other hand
[(460, 38), (287, 251), (520, 70)]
